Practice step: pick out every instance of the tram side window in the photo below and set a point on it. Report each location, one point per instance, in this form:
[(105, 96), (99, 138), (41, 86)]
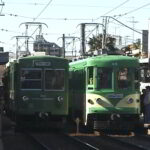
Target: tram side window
[(145, 75), (104, 78), (90, 75), (142, 75), (31, 79), (124, 78), (136, 79), (148, 76)]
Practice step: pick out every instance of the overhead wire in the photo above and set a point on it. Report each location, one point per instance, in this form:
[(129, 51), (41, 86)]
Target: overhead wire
[(118, 6), (131, 11), (42, 10), (65, 19), (62, 5), (24, 3), (38, 16), (120, 15), (59, 19), (126, 25)]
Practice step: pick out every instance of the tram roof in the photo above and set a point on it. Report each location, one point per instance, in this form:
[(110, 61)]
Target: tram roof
[(106, 60)]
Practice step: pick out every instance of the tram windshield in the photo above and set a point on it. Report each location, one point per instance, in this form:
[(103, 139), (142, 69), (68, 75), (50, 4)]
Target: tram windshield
[(31, 79), (124, 78), (104, 78), (54, 79)]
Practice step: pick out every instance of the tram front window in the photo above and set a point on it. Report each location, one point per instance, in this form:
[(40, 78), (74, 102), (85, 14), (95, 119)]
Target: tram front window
[(104, 78), (31, 79), (54, 79), (124, 78), (145, 75)]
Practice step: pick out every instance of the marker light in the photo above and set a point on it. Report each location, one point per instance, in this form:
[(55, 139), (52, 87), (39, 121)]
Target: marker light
[(60, 99), (25, 98), (99, 101), (130, 100)]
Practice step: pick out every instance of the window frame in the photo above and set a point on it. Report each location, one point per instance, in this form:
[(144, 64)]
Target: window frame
[(31, 69), (45, 89)]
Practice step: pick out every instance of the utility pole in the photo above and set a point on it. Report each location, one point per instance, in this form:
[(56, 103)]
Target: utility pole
[(83, 26), (105, 23), (64, 43), (18, 38), (39, 27), (133, 21), (1, 4)]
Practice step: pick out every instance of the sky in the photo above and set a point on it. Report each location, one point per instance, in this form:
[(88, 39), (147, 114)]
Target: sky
[(65, 16)]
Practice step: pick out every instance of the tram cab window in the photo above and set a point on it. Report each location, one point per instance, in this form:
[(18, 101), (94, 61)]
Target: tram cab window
[(90, 75), (145, 75), (90, 81), (124, 78), (54, 79), (31, 79), (104, 78)]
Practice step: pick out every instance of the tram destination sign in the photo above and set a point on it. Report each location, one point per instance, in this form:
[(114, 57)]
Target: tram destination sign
[(115, 95), (42, 64)]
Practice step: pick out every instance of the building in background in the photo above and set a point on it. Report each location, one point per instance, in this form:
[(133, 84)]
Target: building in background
[(50, 48), (4, 58)]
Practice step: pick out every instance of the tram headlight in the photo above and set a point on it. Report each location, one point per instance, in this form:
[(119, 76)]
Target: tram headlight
[(60, 99), (25, 98), (99, 101), (90, 101), (130, 100)]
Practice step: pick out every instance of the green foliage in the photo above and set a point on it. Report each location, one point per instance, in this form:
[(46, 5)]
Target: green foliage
[(95, 42)]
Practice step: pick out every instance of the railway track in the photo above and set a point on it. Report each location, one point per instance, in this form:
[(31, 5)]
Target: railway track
[(56, 141), (141, 141), (106, 142), (128, 142)]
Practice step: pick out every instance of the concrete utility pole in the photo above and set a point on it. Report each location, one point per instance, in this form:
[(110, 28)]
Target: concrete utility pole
[(105, 23), (133, 21), (64, 43), (110, 17), (83, 26), (1, 4)]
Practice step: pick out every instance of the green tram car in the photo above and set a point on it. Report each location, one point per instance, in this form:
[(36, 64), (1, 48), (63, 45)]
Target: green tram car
[(36, 90), (104, 92)]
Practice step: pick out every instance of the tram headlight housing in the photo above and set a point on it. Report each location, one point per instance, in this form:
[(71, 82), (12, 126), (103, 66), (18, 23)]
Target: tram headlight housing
[(25, 98), (130, 100), (90, 101), (99, 101)]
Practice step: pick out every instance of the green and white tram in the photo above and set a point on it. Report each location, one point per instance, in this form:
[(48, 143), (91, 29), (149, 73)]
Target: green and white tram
[(104, 91)]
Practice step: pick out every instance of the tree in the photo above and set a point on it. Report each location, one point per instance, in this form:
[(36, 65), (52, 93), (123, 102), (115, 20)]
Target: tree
[(95, 43)]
